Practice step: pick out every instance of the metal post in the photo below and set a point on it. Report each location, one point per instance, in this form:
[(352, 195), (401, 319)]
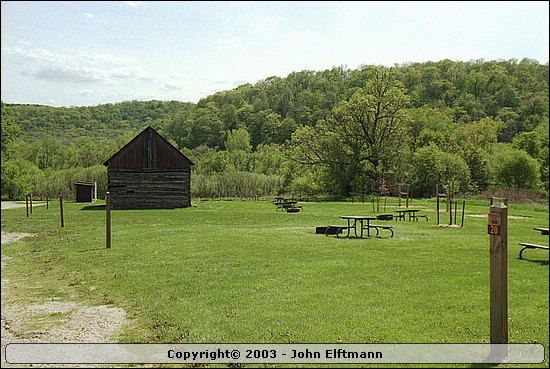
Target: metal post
[(437, 206), (30, 198), (61, 210), (463, 206), (498, 231), (27, 204), (108, 219), (456, 203), (450, 213)]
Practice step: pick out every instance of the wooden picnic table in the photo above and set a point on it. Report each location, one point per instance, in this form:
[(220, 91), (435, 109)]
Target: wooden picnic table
[(288, 205), (543, 231), (528, 245)]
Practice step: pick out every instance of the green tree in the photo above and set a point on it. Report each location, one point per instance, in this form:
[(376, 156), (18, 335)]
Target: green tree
[(361, 136), (433, 166), (19, 177), (238, 139), (514, 168), (480, 134), (9, 130)]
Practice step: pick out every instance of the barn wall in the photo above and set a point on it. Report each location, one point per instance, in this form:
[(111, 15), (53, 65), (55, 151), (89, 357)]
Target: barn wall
[(149, 188)]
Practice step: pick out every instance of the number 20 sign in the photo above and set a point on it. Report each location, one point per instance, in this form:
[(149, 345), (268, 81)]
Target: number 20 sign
[(494, 224)]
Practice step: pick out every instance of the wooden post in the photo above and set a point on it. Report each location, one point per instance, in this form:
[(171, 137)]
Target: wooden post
[(108, 219), (456, 203), (61, 210), (27, 204), (437, 206), (399, 205), (463, 207), (47, 203), (450, 213), (498, 231)]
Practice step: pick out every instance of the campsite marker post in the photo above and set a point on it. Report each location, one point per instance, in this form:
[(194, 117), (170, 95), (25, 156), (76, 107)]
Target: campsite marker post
[(498, 230)]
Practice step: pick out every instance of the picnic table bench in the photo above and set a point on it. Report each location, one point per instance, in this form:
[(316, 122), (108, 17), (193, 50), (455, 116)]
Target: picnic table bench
[(530, 246), (527, 245), (336, 229), (389, 228)]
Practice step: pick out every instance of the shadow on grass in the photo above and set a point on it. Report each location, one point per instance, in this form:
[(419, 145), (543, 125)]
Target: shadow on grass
[(103, 207), (540, 262), (94, 207)]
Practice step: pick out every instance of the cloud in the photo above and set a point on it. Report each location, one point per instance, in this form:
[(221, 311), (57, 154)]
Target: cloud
[(170, 87), (53, 74), (133, 3), (89, 15), (85, 92), (79, 68)]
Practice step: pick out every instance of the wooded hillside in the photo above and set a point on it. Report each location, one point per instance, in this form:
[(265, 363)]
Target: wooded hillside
[(467, 126)]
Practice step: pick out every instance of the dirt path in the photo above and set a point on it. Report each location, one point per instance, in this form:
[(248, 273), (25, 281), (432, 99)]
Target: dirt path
[(52, 321), (20, 204)]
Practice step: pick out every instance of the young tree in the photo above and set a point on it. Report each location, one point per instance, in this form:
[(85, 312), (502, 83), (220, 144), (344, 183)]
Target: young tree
[(514, 168)]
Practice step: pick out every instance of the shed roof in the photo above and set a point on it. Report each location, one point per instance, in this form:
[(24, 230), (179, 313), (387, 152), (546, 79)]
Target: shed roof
[(148, 150), (85, 184)]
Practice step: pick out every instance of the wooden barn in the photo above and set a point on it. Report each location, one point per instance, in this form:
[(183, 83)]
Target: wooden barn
[(149, 172)]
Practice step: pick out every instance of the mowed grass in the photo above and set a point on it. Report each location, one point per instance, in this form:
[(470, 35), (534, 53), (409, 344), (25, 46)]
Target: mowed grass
[(240, 271)]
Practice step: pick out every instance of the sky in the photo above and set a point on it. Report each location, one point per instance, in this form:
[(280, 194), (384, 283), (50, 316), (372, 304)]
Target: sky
[(87, 53)]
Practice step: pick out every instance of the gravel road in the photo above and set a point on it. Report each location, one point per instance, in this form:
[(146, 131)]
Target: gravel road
[(52, 321)]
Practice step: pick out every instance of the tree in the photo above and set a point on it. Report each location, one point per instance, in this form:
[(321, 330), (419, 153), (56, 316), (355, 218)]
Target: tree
[(432, 167), (238, 139), (238, 149), (514, 168), (9, 130), (369, 128), (479, 134), (18, 178)]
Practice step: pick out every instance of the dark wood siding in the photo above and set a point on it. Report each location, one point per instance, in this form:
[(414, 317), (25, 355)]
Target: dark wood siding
[(142, 189), (148, 172), (148, 150)]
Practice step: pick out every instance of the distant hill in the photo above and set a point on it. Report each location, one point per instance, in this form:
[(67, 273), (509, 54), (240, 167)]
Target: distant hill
[(101, 121)]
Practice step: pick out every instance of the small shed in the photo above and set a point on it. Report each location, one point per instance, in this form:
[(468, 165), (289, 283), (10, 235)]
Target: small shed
[(85, 191), (149, 172)]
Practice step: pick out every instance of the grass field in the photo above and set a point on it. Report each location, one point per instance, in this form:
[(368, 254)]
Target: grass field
[(240, 271)]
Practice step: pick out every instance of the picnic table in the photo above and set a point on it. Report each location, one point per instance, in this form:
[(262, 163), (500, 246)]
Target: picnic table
[(527, 245), (356, 224), (412, 213), (543, 231), (288, 205)]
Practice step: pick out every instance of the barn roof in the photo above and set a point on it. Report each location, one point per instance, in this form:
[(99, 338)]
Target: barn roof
[(148, 150)]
